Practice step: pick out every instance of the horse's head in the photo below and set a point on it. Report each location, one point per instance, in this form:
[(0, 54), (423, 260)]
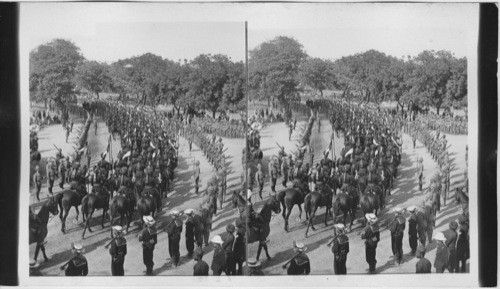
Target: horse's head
[(274, 204), (51, 204)]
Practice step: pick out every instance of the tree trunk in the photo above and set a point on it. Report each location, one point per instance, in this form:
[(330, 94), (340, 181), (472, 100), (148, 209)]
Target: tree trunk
[(213, 113)]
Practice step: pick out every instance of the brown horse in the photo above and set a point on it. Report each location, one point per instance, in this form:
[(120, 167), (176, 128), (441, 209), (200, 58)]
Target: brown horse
[(369, 203), (313, 201), (347, 203), (38, 231), (272, 205), (94, 201), (67, 199), (146, 205), (123, 204), (289, 198)]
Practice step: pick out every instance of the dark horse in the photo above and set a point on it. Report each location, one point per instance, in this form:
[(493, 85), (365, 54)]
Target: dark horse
[(289, 198), (313, 201), (93, 201), (146, 205), (347, 203), (67, 199), (38, 231), (123, 204), (369, 203), (272, 205), (462, 200)]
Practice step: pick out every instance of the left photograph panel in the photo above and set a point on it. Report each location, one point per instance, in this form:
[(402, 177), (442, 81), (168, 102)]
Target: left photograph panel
[(136, 134)]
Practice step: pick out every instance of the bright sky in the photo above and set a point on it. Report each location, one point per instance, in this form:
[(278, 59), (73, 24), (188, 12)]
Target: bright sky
[(112, 31)]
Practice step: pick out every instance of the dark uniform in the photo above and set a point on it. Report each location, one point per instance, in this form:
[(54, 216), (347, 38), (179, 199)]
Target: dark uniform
[(227, 246), (371, 235), (77, 266), (149, 239), (200, 268), (190, 234), (412, 233), (397, 232), (37, 179), (463, 245), (239, 252), (441, 261), (219, 261), (424, 266), (299, 265), (118, 251), (174, 230), (450, 242), (340, 249)]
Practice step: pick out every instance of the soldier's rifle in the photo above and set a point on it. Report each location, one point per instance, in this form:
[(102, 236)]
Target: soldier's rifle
[(290, 261)]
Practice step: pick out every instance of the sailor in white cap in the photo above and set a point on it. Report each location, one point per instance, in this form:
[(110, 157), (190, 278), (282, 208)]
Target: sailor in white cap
[(118, 251), (219, 258), (174, 230), (340, 249), (442, 259), (397, 227), (300, 264), (371, 235), (254, 267), (190, 231), (412, 229), (149, 238), (78, 265)]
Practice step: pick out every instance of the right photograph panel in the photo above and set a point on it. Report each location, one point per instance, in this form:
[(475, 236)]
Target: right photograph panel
[(357, 152)]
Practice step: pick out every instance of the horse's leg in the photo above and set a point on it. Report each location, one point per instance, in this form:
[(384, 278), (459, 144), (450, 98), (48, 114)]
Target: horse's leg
[(265, 250), (63, 228), (300, 211), (326, 215), (42, 246), (259, 250), (78, 214), (37, 250), (311, 219), (289, 211), (103, 217)]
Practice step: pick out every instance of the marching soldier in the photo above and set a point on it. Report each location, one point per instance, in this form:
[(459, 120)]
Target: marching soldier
[(190, 231), (300, 264), (340, 249), (118, 251), (397, 231), (259, 179), (285, 166), (78, 265), (197, 177), (37, 179), (149, 238), (412, 229), (273, 173), (174, 230), (371, 235), (51, 175), (420, 172)]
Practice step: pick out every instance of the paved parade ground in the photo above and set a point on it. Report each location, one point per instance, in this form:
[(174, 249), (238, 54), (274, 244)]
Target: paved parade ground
[(280, 244), (404, 194)]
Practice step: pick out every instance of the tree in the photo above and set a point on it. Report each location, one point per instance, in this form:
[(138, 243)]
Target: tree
[(173, 85), (316, 73), (52, 72), (430, 79), (209, 75), (93, 76), (456, 88), (274, 67), (233, 92)]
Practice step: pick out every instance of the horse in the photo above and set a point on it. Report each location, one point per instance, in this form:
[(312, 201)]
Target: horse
[(123, 204), (313, 201), (240, 203), (369, 203), (462, 200), (289, 198), (155, 194), (272, 205), (38, 231), (146, 205), (346, 203), (377, 191), (93, 201), (67, 199)]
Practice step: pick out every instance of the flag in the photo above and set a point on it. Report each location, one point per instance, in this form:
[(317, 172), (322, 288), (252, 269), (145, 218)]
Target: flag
[(151, 144), (375, 143), (349, 152)]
